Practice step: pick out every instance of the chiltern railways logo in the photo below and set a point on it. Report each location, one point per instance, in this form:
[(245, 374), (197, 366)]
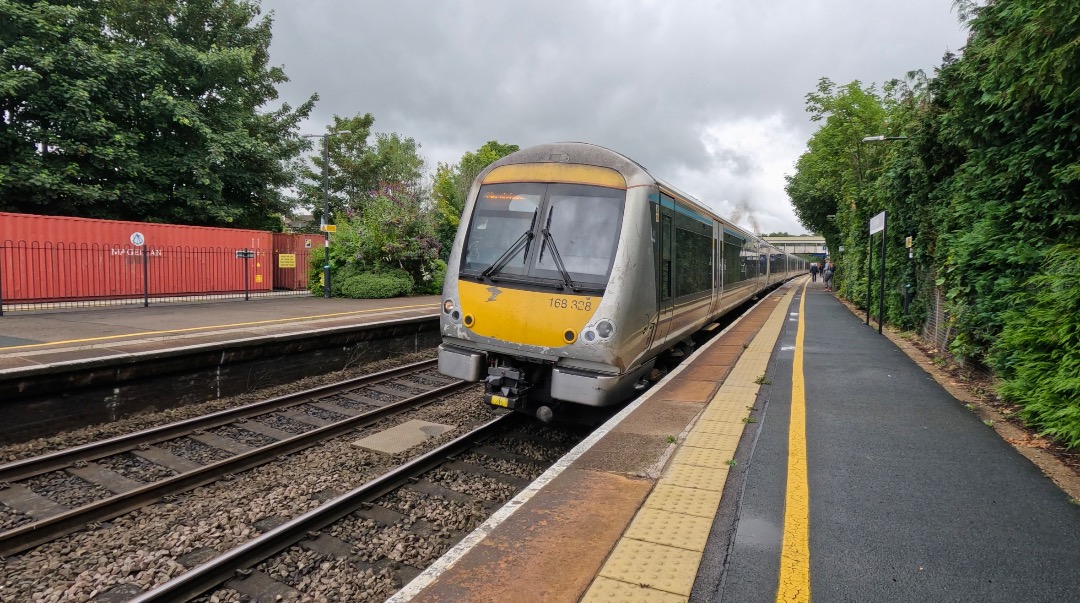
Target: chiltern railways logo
[(495, 291)]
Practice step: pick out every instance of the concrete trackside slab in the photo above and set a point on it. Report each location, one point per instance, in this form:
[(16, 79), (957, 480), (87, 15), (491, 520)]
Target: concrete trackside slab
[(551, 549), (402, 437)]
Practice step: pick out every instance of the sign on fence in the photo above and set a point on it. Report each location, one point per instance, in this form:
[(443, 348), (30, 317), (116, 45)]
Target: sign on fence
[(244, 254), (286, 260)]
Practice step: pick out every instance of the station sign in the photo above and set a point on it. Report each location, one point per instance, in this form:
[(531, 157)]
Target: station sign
[(244, 254), (877, 223)]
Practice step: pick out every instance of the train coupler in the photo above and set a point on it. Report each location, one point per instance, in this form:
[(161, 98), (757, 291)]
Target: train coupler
[(506, 387)]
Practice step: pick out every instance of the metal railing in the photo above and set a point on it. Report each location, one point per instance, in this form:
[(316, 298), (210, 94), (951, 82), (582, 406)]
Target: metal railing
[(36, 276)]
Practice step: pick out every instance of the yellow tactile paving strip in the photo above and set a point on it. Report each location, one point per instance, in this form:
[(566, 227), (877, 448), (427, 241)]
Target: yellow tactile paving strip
[(658, 556)]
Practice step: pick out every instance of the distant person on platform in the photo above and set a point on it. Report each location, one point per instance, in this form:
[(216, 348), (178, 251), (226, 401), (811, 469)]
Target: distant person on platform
[(813, 272), (827, 275)]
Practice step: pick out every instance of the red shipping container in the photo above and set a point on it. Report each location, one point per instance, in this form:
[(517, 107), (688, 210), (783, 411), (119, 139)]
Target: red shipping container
[(292, 253), (48, 258)]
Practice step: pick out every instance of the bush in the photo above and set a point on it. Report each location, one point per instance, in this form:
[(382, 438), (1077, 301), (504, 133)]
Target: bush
[(373, 285), (1038, 354)]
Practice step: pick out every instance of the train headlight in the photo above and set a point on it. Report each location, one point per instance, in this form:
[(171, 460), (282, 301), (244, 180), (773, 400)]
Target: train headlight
[(605, 329), (448, 306), (469, 320), (589, 335)]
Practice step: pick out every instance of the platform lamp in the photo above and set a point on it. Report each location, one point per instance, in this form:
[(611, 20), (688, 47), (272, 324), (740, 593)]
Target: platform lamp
[(326, 204)]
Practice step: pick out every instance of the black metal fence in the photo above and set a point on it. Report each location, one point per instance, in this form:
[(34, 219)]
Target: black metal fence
[(37, 276)]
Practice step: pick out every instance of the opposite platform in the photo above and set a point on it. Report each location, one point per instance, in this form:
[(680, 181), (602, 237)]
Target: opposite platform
[(31, 339)]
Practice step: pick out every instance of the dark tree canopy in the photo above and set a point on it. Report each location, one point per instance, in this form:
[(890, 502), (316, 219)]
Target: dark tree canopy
[(143, 110)]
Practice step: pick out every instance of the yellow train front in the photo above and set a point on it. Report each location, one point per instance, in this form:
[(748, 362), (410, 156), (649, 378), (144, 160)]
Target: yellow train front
[(574, 274)]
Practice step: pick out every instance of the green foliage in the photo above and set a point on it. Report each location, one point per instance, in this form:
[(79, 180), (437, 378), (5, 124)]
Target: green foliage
[(986, 181), (431, 283), (357, 169), (1038, 353), (451, 187), (136, 110), (371, 285)]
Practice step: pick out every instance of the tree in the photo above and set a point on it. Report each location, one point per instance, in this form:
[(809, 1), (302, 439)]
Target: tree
[(829, 188), (144, 110), (450, 188)]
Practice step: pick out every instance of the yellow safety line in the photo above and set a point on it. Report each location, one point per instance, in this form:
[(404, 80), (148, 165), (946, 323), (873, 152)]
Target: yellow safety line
[(795, 552), (190, 329)]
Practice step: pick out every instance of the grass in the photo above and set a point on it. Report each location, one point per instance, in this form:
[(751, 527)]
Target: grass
[(763, 380), (730, 463), (670, 439), (749, 420)]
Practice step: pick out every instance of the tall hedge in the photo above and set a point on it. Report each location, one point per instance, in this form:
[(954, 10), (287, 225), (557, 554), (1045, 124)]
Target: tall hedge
[(984, 174)]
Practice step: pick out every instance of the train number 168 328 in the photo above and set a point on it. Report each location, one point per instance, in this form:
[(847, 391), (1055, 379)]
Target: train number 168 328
[(573, 304)]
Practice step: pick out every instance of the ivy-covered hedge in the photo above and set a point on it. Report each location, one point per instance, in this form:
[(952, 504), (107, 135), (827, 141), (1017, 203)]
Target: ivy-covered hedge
[(1038, 352), (982, 169)]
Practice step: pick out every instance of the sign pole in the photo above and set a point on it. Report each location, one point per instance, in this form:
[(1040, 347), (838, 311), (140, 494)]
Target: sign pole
[(877, 224), (881, 289), (146, 277)]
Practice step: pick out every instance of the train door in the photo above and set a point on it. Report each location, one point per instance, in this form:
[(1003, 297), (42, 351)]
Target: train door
[(718, 266), (665, 268)]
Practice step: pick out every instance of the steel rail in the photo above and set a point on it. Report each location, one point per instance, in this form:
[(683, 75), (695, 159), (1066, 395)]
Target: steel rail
[(42, 531), (223, 567), (61, 459)]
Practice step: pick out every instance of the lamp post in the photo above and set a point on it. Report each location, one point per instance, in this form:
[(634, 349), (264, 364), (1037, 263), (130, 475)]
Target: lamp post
[(326, 204)]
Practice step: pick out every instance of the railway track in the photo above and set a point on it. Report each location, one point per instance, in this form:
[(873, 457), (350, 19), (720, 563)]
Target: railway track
[(58, 493), (328, 533)]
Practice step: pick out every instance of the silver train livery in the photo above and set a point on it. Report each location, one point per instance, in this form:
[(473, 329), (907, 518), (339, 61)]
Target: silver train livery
[(576, 274)]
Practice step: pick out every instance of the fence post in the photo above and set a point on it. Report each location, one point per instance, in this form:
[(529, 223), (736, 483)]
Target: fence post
[(247, 296), (1, 281), (145, 277)]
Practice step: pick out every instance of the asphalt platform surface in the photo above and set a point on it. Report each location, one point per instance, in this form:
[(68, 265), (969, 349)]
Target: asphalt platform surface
[(911, 496), (29, 338)]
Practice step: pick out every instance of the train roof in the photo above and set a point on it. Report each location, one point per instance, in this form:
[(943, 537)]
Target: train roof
[(586, 153)]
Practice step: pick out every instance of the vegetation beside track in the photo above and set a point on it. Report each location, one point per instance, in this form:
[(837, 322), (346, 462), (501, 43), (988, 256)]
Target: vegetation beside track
[(980, 166)]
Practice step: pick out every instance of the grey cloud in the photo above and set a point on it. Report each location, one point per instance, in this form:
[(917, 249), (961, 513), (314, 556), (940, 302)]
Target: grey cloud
[(642, 77)]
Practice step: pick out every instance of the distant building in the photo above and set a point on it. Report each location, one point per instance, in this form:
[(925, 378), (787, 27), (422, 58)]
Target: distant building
[(299, 222), (807, 246)]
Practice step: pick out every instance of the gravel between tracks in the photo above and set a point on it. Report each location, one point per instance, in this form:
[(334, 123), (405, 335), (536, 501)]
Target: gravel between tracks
[(141, 548)]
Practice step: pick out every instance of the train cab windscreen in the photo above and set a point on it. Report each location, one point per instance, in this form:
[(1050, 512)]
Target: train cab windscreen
[(545, 233)]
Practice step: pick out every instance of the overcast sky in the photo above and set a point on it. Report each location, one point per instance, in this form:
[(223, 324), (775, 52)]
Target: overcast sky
[(708, 95)]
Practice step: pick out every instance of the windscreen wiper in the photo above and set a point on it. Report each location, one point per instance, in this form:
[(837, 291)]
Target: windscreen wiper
[(504, 259), (558, 260)]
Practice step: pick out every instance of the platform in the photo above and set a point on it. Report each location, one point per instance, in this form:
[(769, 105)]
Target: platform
[(799, 453), (68, 369), (36, 338)]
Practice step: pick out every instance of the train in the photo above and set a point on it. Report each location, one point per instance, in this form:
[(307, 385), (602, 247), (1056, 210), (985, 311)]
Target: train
[(577, 278)]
